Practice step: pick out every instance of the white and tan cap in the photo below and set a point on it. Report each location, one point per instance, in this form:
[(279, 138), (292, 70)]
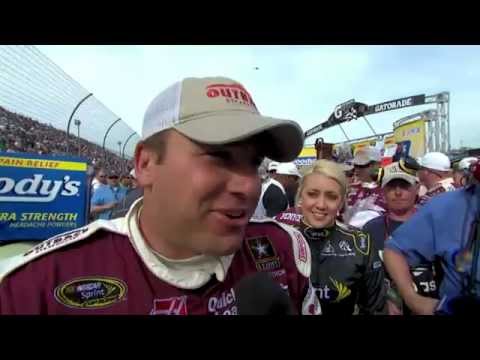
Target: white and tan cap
[(217, 111), (394, 171)]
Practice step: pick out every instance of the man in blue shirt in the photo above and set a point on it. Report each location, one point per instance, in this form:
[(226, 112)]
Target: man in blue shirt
[(445, 227), (118, 189), (104, 199)]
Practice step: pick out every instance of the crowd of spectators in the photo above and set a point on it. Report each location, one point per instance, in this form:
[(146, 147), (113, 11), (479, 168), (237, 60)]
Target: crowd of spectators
[(19, 133)]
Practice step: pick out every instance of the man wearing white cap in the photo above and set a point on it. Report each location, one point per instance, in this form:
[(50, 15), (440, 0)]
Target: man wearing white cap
[(435, 175), (185, 245), (272, 167), (365, 198), (461, 170), (400, 187), (278, 193)]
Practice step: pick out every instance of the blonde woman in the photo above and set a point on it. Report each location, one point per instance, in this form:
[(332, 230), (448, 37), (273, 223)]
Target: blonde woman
[(347, 274)]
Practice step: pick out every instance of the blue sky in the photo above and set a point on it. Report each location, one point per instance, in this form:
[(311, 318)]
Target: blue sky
[(302, 83)]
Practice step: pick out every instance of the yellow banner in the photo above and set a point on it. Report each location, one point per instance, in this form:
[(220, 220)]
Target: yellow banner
[(308, 151), (411, 137), (42, 164)]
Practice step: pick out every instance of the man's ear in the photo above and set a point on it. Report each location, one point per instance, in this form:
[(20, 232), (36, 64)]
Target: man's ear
[(145, 160)]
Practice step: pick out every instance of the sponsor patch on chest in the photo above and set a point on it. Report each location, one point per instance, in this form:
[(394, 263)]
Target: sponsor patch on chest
[(91, 292), (263, 253)]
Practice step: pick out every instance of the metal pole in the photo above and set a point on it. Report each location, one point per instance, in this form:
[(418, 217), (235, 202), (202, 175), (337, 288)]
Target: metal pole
[(437, 128), (71, 116), (371, 127), (344, 133), (125, 143), (105, 137), (78, 138), (448, 122)]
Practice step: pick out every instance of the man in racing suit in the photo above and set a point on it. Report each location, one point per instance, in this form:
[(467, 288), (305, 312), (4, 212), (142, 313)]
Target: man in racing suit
[(365, 199), (183, 247)]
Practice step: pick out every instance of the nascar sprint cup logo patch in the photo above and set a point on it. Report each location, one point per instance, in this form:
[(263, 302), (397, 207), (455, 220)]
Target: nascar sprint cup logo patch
[(91, 292)]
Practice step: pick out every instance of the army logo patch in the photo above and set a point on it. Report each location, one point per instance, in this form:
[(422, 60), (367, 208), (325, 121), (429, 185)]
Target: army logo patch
[(263, 253), (91, 292)]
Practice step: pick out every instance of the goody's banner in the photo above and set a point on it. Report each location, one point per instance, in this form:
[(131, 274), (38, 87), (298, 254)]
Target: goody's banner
[(41, 195)]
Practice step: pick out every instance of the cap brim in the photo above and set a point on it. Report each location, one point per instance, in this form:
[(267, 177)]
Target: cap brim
[(361, 163), (218, 129), (297, 174), (408, 178)]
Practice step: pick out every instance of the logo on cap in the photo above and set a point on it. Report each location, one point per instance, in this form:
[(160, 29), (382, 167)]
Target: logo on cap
[(233, 93)]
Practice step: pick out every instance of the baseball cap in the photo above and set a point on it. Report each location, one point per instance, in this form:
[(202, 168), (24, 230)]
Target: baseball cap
[(288, 168), (272, 166), (435, 161), (346, 167), (366, 156), (216, 111), (394, 171), (465, 163)]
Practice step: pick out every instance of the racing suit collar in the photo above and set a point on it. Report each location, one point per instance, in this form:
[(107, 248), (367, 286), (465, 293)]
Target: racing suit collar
[(369, 185), (190, 273)]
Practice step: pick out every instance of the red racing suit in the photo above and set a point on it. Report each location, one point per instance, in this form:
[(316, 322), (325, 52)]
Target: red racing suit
[(107, 267)]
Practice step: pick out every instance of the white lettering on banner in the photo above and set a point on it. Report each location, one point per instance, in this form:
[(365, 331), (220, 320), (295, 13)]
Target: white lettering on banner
[(38, 189), (394, 105), (223, 304), (304, 161)]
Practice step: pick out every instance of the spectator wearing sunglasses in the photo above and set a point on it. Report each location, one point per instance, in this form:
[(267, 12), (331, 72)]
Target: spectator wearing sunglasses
[(105, 197), (99, 178)]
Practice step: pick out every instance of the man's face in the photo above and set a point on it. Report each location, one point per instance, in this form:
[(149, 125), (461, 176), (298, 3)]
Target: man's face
[(113, 180), (459, 178), (428, 177), (363, 172), (289, 182), (102, 177), (400, 195), (202, 196), (126, 181)]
